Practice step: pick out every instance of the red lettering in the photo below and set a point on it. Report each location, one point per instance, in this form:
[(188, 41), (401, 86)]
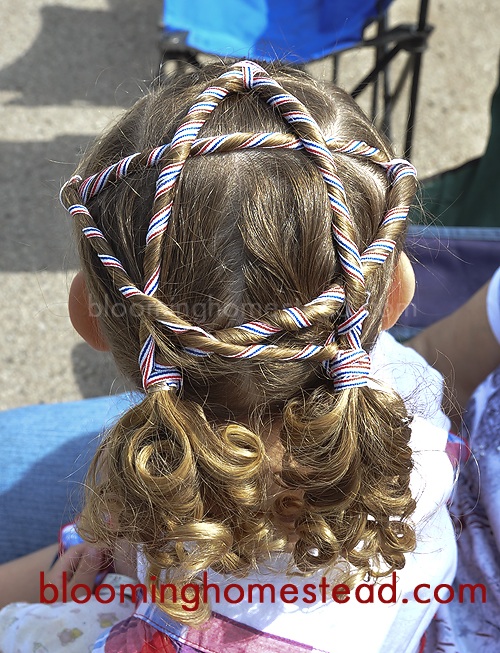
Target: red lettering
[(108, 588), (193, 601), (416, 591), (241, 593), (309, 590), (206, 586), (391, 586), (43, 588), (134, 589), (261, 589), (287, 589), (323, 586), (371, 593), (171, 588), (472, 588), (64, 587), (82, 598), (450, 591), (340, 593), (153, 589)]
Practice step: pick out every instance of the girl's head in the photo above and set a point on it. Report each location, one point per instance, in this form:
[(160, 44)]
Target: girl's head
[(238, 235)]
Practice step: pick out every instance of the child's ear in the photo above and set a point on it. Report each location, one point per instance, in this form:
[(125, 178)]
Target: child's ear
[(401, 292), (81, 316)]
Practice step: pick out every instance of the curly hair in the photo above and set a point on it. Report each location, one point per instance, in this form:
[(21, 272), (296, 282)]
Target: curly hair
[(254, 455)]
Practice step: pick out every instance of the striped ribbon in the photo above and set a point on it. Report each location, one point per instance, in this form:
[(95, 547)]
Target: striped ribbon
[(154, 374), (254, 76), (94, 184), (350, 367)]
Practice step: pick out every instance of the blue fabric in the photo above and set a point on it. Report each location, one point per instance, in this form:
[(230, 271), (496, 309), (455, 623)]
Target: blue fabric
[(295, 32), (44, 454), (451, 264)]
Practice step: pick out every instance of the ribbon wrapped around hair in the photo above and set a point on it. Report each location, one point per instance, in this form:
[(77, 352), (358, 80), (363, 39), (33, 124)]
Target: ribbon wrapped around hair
[(351, 366)]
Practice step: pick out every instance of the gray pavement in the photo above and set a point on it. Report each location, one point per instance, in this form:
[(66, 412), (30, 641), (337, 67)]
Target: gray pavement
[(67, 68)]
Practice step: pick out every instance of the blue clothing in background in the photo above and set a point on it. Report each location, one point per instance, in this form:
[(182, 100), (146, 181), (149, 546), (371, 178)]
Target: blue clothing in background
[(44, 454), (271, 29)]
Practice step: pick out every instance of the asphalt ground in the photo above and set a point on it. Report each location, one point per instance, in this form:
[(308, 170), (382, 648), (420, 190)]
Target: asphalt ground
[(68, 68)]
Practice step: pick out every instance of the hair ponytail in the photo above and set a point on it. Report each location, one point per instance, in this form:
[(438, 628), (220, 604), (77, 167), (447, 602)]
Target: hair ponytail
[(190, 494), (350, 453)]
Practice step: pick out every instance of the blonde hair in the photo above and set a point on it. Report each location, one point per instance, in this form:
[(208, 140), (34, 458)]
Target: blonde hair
[(187, 476)]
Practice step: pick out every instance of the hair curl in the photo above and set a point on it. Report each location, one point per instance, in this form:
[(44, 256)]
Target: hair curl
[(190, 478)]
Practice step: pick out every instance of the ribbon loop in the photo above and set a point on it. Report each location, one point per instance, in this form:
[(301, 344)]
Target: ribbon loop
[(349, 369)]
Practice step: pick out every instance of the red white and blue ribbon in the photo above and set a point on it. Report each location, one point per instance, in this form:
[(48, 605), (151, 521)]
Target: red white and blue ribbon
[(154, 374), (350, 367)]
